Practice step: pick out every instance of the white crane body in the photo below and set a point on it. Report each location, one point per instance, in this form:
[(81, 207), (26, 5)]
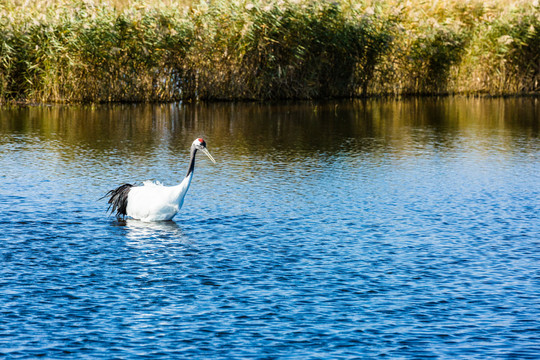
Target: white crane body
[(153, 201)]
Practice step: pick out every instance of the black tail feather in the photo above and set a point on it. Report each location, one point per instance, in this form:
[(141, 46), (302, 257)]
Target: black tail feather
[(118, 199)]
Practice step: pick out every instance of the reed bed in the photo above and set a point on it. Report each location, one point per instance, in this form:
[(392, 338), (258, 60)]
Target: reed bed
[(136, 51)]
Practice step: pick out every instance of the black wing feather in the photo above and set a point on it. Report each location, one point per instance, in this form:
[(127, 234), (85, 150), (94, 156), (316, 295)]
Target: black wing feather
[(118, 199)]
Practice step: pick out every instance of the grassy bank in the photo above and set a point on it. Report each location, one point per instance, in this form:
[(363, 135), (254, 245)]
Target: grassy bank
[(99, 51)]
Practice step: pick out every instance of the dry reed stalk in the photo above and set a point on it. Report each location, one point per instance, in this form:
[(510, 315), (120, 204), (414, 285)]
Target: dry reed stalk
[(126, 51)]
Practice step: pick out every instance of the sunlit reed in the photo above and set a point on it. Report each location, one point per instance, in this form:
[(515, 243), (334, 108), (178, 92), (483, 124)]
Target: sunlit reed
[(133, 51)]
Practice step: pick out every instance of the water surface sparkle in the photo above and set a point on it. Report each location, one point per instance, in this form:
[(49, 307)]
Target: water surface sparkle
[(405, 229)]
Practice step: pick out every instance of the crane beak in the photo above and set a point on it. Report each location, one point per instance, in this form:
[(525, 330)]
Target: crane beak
[(207, 153)]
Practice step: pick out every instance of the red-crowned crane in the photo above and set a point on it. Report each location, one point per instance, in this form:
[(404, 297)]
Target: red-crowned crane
[(153, 201)]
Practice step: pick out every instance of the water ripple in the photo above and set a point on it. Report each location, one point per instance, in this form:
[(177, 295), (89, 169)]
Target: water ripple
[(396, 240)]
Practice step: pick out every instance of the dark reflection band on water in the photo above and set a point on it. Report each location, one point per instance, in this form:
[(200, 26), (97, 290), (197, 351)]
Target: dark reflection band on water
[(380, 228), (309, 127)]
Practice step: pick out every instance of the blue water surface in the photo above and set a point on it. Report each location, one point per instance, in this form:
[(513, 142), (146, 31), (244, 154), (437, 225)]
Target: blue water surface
[(394, 229)]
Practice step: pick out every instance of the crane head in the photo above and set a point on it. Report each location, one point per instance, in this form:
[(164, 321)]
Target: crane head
[(200, 144)]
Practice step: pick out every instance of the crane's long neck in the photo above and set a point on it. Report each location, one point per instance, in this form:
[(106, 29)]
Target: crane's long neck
[(179, 192), (192, 161)]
